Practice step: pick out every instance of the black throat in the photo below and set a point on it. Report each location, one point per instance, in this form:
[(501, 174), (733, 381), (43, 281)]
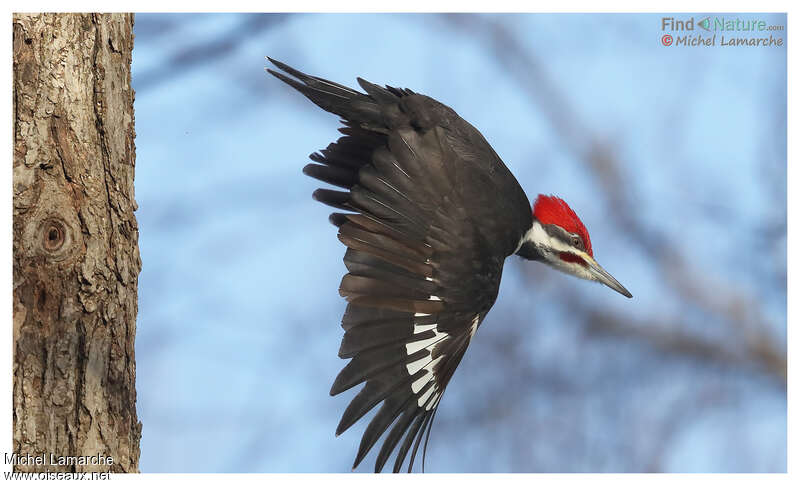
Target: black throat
[(529, 251)]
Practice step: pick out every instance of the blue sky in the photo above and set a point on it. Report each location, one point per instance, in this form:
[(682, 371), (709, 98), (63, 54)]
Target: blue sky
[(238, 314)]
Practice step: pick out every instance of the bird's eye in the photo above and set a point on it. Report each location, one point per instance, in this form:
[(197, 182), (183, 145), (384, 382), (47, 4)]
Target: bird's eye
[(576, 241)]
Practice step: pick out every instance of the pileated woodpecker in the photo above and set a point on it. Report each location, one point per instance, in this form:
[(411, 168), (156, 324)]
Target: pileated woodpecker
[(431, 213)]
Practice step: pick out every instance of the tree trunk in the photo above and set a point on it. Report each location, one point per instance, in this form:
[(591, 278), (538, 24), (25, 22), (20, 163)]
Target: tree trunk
[(76, 255)]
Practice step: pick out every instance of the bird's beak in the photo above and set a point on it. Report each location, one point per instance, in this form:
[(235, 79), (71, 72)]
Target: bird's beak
[(604, 277)]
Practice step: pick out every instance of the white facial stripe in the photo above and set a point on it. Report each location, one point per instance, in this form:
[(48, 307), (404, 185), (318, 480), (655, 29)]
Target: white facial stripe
[(542, 239), (574, 269), (550, 248), (548, 245), (433, 297)]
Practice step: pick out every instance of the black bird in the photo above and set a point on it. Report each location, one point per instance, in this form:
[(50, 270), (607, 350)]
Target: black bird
[(430, 214)]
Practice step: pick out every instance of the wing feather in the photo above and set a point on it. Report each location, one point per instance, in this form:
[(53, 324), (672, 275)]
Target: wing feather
[(422, 274)]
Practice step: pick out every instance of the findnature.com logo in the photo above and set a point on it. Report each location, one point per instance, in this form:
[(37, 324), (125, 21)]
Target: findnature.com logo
[(732, 31), (729, 25)]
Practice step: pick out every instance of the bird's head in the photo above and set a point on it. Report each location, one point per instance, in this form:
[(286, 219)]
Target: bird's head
[(559, 239)]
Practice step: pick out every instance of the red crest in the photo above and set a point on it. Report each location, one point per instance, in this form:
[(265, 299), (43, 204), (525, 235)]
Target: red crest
[(553, 210)]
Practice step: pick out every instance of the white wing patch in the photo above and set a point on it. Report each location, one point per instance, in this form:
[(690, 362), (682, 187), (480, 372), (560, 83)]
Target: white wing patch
[(412, 348), (435, 400), (426, 362), (423, 327), (474, 326), (426, 395), (424, 379), (419, 327), (430, 398)]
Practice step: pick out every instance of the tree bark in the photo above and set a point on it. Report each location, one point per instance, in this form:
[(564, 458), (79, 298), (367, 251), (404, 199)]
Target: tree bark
[(76, 255)]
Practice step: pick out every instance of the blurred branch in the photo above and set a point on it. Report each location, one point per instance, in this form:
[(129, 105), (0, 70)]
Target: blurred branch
[(196, 54), (668, 338)]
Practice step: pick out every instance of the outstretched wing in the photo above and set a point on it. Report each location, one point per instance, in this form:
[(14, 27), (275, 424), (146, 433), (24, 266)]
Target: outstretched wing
[(422, 274)]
